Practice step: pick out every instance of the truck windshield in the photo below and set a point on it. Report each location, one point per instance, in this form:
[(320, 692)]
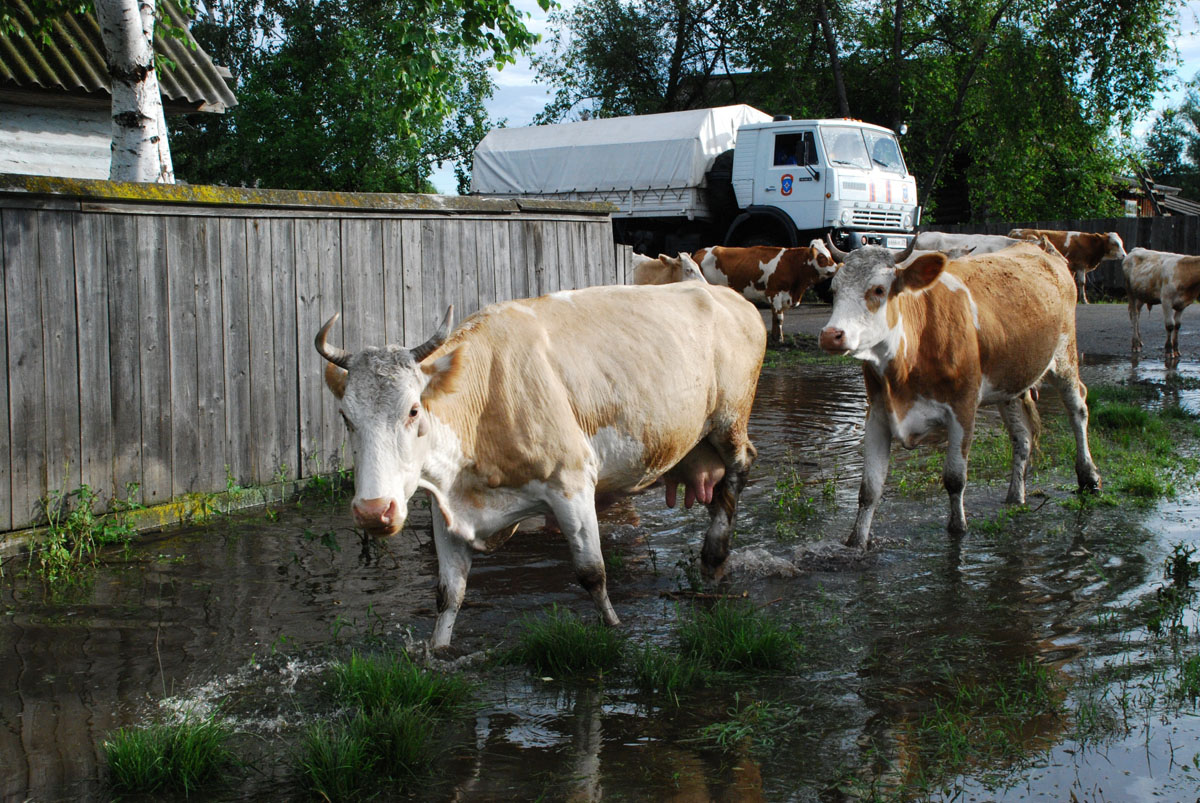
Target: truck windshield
[(844, 146), (885, 151)]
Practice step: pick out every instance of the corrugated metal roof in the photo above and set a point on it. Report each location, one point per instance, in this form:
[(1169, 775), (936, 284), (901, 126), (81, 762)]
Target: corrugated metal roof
[(1179, 205), (73, 60)]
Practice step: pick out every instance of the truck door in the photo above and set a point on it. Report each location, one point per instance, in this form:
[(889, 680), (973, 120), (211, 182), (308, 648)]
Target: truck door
[(793, 180)]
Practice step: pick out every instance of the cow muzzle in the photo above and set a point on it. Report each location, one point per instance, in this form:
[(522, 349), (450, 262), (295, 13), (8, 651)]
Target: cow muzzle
[(833, 340), (378, 516)]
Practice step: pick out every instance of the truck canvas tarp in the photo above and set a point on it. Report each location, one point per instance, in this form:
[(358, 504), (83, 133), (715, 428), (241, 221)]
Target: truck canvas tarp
[(660, 151)]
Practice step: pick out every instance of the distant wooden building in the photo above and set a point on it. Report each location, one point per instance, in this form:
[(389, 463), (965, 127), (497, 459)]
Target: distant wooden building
[(55, 100), (1144, 197)]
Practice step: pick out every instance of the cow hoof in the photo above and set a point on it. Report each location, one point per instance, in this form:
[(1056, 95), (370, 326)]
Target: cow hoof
[(957, 528), (1089, 485)]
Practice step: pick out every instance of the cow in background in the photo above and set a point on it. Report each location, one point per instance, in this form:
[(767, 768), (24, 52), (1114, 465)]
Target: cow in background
[(767, 274), (938, 338), (947, 241), (540, 406), (1084, 250), (664, 270), (1157, 277)]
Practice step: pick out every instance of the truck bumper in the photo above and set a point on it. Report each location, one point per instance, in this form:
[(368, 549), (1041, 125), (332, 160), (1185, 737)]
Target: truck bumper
[(888, 239)]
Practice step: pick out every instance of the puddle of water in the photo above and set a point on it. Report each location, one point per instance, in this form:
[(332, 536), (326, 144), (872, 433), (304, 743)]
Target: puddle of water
[(243, 613)]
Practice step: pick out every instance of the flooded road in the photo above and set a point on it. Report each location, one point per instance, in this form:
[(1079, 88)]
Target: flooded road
[(238, 616)]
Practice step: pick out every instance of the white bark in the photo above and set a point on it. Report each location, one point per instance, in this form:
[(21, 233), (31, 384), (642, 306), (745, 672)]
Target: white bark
[(140, 151)]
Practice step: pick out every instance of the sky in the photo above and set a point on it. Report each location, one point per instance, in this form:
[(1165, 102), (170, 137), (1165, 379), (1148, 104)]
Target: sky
[(518, 98)]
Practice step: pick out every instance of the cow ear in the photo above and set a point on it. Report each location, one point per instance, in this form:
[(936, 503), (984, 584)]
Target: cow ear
[(335, 378), (921, 272), (443, 373)]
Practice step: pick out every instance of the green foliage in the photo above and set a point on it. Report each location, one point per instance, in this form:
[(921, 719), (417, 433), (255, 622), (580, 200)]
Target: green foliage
[(180, 757), (757, 724), (735, 635), (348, 96), (559, 643), (1011, 105), (74, 533), (375, 751)]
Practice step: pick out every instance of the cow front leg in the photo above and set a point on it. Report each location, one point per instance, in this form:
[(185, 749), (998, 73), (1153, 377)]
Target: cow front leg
[(577, 520), (1020, 419), (454, 564), (959, 431), (776, 325), (1081, 286), (877, 451)]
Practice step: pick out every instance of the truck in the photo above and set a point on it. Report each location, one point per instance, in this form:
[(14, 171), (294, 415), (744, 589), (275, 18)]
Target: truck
[(731, 175)]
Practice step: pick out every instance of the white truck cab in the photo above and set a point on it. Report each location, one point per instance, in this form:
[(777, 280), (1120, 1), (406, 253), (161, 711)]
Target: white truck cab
[(842, 176)]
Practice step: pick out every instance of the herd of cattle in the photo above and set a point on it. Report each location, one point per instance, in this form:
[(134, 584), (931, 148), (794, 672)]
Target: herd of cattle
[(559, 405)]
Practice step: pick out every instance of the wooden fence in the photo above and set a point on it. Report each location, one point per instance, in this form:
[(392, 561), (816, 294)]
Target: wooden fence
[(1180, 235), (162, 336)]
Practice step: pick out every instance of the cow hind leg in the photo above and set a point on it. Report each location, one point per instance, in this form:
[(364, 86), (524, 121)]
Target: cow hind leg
[(954, 474), (738, 454), (454, 564), (1135, 313), (577, 518), (1021, 420), (1065, 376)]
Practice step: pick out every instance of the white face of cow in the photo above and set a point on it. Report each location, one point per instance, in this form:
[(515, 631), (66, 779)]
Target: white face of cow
[(867, 280), (1116, 248), (381, 396), (382, 409)]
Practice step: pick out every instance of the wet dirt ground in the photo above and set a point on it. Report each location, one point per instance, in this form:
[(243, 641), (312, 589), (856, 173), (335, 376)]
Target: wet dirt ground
[(239, 615)]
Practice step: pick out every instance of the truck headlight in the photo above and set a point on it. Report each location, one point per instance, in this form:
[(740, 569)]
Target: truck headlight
[(906, 221), (846, 216)]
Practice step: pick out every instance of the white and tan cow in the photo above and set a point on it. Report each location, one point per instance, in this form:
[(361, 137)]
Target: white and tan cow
[(664, 270), (1084, 250), (768, 274), (939, 338), (544, 406), (1158, 277)]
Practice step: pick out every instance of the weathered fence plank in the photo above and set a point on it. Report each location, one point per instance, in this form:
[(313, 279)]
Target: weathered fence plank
[(235, 307), (26, 370), (56, 258), (155, 360), (123, 353), (261, 328), (184, 348), (210, 354), (411, 265), (286, 356)]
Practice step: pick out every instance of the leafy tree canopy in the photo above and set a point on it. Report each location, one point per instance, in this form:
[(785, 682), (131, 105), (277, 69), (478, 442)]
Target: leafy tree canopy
[(349, 94), (1015, 107), (1171, 150)]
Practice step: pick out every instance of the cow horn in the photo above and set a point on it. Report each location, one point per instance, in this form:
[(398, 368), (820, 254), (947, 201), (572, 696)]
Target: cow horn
[(907, 252), (337, 356), (839, 256), (439, 337)]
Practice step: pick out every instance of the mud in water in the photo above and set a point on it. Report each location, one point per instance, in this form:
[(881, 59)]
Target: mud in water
[(239, 615)]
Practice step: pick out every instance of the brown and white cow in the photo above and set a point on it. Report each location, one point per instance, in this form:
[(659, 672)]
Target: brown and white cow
[(939, 338), (541, 406), (1158, 277), (1084, 250), (768, 274)]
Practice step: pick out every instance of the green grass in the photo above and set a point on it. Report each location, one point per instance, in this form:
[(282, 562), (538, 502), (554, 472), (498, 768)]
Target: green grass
[(758, 724), (384, 741), (734, 635), (381, 682), (559, 643), (658, 671), (178, 758), (800, 349)]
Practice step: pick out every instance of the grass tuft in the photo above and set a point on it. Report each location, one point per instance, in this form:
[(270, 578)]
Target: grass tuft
[(376, 683), (179, 757), (736, 635), (560, 643), (661, 672)]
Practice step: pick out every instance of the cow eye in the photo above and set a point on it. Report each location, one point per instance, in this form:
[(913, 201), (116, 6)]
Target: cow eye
[(878, 291), (413, 412)]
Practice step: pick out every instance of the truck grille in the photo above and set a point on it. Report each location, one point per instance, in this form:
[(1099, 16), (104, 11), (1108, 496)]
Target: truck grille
[(876, 218)]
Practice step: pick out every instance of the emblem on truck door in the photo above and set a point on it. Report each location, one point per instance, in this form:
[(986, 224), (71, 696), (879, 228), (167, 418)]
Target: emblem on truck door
[(785, 184)]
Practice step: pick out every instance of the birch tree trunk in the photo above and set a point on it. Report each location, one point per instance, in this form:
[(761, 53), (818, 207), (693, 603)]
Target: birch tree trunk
[(140, 151)]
